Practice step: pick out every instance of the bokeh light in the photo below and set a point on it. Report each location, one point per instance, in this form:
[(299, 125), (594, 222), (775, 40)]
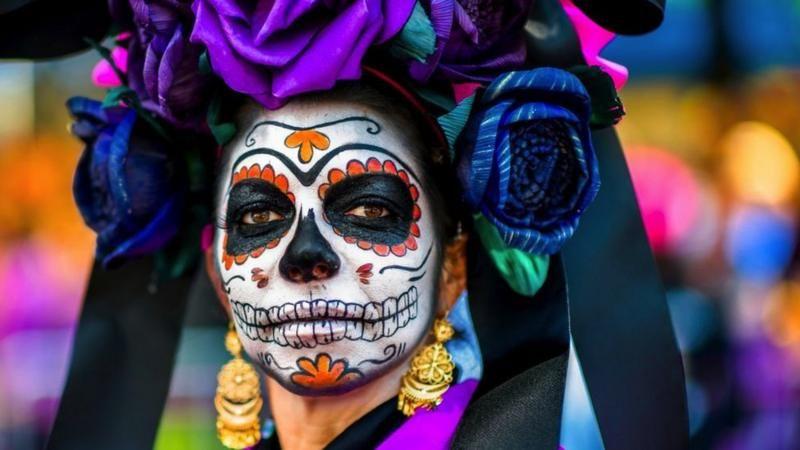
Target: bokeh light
[(668, 195), (759, 243), (782, 316), (760, 164)]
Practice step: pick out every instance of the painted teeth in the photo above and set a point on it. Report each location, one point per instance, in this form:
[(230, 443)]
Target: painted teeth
[(319, 322)]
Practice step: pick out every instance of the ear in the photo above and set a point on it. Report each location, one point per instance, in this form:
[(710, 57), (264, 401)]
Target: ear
[(453, 279), (216, 280)]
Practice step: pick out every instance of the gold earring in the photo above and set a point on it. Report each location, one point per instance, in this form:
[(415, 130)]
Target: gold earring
[(238, 400), (430, 374)]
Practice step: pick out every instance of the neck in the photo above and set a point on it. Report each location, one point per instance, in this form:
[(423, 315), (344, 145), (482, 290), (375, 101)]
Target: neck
[(311, 423)]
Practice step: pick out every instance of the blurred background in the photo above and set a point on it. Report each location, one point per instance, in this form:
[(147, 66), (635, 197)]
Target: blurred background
[(711, 137)]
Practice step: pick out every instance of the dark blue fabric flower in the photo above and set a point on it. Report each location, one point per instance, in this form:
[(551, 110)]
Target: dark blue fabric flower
[(126, 184), (526, 160)]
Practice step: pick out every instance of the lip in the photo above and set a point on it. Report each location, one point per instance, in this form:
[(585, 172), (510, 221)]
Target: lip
[(320, 321)]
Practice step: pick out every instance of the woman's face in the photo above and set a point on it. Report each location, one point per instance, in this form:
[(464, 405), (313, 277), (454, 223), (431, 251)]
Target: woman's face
[(327, 251)]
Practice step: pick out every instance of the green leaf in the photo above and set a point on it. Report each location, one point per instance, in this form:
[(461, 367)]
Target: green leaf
[(417, 39), (454, 121), (524, 272), (223, 132)]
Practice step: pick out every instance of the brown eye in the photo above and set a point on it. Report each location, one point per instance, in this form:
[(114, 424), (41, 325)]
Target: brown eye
[(369, 211), (260, 217)]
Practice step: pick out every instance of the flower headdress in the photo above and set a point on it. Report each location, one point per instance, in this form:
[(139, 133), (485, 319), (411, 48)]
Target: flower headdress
[(518, 138)]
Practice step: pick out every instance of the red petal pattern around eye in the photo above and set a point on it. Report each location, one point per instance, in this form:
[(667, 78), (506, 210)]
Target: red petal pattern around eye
[(390, 167), (355, 168), (404, 176), (282, 183), (374, 166), (414, 229), (335, 176), (254, 171), (278, 180), (414, 192), (268, 174), (399, 250)]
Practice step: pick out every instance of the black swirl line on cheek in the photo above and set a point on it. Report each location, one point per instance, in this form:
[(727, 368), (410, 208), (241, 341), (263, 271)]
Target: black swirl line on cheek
[(373, 128), (418, 277), (225, 283), (267, 360), (391, 351), (407, 268)]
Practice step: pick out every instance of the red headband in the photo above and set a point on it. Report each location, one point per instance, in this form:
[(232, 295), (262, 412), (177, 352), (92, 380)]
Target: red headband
[(412, 99)]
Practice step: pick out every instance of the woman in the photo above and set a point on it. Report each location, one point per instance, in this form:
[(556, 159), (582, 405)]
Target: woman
[(366, 152), (331, 251)]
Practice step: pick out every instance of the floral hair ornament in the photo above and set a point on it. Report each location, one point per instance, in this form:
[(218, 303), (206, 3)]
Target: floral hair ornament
[(162, 65), (125, 185), (527, 162), (272, 50)]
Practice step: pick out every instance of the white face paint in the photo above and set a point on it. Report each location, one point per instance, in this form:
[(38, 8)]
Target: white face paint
[(327, 254)]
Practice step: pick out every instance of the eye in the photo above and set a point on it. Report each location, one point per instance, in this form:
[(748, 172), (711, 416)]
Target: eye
[(260, 217), (368, 211)]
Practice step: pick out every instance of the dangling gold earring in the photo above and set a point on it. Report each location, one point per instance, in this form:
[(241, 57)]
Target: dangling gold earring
[(238, 400), (430, 374)]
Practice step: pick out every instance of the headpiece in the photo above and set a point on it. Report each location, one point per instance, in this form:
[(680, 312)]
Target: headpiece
[(520, 136)]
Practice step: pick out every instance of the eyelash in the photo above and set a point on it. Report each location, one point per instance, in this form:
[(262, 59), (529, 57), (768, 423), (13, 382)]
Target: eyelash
[(227, 221)]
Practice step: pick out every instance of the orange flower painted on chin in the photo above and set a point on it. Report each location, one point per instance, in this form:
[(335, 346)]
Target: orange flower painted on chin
[(306, 141), (355, 168), (323, 373), (278, 180)]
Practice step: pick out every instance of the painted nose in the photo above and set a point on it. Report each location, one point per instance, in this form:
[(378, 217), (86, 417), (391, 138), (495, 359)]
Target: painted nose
[(309, 257)]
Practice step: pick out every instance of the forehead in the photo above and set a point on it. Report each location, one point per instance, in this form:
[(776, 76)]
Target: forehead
[(310, 134)]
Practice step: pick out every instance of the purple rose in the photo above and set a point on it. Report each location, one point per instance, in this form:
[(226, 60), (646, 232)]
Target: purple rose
[(272, 50), (162, 64), (475, 39), (127, 184)]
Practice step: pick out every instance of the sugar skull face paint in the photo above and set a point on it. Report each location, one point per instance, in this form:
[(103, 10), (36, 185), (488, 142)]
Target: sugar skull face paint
[(327, 251)]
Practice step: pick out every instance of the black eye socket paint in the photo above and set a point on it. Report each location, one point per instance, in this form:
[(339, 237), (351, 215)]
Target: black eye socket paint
[(255, 195), (382, 190)]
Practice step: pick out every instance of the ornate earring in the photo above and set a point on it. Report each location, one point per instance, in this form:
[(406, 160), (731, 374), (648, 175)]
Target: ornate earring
[(430, 374), (238, 400)]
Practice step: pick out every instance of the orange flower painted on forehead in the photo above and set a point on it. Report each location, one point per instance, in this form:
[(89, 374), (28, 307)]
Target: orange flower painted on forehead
[(323, 372), (306, 141), (356, 168), (255, 172)]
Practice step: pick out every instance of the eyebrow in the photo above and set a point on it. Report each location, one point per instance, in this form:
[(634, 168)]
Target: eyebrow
[(307, 178), (250, 141)]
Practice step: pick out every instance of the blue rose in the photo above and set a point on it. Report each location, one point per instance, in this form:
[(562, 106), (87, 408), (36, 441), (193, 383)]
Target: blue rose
[(527, 162), (126, 184)]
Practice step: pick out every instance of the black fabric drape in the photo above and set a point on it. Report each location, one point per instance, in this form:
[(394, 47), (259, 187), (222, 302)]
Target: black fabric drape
[(624, 16), (524, 342), (619, 320), (39, 29), (620, 323), (122, 360)]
